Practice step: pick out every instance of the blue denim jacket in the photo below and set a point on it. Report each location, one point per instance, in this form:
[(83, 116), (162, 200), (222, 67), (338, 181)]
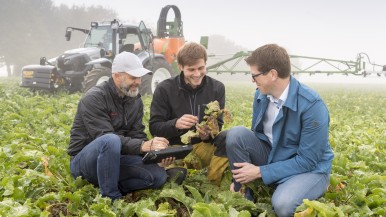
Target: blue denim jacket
[(300, 134)]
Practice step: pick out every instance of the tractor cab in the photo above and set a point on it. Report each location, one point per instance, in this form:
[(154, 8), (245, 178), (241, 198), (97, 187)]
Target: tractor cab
[(82, 68)]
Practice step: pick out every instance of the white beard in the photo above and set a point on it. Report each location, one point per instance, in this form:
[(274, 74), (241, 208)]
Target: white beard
[(127, 91), (132, 93)]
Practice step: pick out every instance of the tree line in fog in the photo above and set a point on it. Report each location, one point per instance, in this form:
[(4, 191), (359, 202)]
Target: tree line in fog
[(35, 28)]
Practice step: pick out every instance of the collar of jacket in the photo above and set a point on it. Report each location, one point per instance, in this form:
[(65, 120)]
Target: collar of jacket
[(115, 92), (183, 86), (292, 98)]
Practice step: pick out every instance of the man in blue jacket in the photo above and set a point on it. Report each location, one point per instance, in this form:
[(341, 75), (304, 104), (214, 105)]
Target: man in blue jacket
[(288, 145)]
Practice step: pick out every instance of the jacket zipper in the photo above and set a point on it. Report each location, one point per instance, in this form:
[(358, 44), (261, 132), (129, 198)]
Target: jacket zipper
[(193, 107), (124, 112)]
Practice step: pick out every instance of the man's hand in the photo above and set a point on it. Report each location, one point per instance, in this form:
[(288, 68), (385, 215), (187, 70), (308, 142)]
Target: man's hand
[(232, 187), (157, 143), (203, 132), (166, 162), (186, 122), (246, 172)]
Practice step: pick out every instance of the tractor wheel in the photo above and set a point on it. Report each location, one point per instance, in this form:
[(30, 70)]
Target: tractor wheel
[(161, 71), (95, 77)]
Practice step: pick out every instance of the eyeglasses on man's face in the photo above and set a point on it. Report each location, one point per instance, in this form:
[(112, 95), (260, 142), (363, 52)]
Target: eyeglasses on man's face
[(254, 76), (257, 75)]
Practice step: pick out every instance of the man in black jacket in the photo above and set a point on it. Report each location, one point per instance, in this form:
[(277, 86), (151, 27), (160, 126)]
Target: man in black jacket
[(178, 102), (107, 136)]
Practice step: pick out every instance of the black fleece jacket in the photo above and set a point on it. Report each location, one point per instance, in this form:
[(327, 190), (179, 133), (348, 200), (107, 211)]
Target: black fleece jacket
[(173, 98), (101, 111)]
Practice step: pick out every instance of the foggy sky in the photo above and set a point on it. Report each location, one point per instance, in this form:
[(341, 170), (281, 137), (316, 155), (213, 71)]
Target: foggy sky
[(336, 29), (321, 28)]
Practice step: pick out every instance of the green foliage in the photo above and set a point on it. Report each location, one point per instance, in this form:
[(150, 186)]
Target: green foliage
[(179, 195), (209, 122), (35, 179)]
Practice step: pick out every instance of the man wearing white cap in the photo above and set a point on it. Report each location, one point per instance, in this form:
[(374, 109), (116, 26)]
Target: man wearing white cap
[(108, 138)]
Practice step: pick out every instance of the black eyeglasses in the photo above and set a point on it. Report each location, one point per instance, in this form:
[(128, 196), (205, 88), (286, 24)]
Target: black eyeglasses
[(257, 75)]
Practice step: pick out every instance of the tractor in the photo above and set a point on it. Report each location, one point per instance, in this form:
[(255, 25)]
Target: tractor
[(82, 68)]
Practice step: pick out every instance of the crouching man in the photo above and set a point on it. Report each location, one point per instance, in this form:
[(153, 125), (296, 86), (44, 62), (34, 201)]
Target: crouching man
[(288, 145), (108, 138)]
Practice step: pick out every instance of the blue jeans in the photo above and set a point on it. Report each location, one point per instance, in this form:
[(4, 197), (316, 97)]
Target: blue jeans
[(102, 164), (242, 145)]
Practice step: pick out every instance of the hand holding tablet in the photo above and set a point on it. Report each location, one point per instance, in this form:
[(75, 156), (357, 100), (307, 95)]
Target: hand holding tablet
[(178, 152)]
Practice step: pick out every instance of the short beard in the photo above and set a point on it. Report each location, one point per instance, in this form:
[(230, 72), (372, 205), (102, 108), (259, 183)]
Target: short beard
[(127, 91), (132, 93)]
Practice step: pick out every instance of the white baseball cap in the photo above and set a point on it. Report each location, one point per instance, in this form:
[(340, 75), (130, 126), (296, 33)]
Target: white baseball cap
[(129, 63)]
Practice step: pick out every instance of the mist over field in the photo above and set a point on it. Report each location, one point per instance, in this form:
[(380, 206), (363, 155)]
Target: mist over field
[(325, 29)]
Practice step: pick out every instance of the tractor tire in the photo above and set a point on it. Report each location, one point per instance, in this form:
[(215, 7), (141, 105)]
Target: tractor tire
[(95, 77), (161, 71)]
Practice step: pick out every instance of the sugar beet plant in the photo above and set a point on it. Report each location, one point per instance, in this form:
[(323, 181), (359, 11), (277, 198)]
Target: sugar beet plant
[(35, 178)]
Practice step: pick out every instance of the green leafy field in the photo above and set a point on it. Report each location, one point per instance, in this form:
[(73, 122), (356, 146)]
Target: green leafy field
[(35, 177)]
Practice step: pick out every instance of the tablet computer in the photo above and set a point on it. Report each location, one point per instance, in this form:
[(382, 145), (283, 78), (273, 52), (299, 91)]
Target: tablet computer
[(178, 151)]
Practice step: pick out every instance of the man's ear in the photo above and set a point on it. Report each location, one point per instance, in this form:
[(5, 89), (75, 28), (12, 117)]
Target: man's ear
[(275, 74), (180, 67)]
